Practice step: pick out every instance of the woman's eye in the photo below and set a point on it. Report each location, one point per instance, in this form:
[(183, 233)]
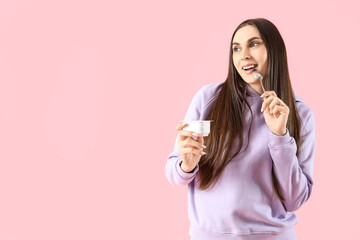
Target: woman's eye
[(236, 49), (253, 44)]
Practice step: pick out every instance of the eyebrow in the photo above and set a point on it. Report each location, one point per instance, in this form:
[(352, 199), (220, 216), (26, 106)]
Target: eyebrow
[(250, 39)]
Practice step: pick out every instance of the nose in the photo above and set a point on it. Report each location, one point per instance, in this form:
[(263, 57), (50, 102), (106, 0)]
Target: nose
[(245, 54)]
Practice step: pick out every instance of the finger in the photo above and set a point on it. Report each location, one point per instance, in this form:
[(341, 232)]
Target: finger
[(193, 151), (190, 143), (186, 134), (201, 141), (279, 110), (180, 126), (266, 94), (267, 102), (280, 103), (274, 103)]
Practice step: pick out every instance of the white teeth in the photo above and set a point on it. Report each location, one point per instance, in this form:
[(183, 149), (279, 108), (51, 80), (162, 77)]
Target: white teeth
[(248, 67)]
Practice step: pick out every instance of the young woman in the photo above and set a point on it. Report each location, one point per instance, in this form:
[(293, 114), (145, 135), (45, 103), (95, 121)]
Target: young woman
[(246, 179)]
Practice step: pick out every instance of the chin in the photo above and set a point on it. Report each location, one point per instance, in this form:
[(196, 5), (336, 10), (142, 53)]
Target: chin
[(249, 81)]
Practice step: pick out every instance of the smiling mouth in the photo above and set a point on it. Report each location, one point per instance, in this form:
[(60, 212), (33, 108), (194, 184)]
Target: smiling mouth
[(248, 67)]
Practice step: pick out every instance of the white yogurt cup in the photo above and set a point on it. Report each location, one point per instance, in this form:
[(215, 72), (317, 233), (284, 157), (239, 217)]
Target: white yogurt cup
[(201, 127)]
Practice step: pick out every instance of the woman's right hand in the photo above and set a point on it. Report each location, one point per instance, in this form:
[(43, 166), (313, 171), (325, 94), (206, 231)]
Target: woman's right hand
[(190, 149)]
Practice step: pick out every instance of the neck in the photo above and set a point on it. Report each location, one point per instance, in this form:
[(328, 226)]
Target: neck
[(257, 88)]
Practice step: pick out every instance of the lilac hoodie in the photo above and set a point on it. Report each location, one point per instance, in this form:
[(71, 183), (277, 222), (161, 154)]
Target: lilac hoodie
[(242, 204)]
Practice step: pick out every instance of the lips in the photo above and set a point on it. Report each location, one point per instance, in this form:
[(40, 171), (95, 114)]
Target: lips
[(248, 68)]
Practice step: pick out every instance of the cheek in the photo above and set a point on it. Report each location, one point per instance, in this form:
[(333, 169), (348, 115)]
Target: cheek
[(265, 57), (265, 61), (264, 64)]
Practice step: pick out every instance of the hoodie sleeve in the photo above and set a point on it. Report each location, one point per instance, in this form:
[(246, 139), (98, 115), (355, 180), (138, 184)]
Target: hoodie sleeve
[(294, 174), (173, 171)]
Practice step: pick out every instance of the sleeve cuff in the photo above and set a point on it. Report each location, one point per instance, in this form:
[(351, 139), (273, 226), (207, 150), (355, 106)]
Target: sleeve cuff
[(275, 140), (183, 174)]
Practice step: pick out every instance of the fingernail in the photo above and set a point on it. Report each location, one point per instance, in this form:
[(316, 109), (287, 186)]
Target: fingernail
[(262, 109), (203, 153), (262, 95), (195, 134), (203, 146)]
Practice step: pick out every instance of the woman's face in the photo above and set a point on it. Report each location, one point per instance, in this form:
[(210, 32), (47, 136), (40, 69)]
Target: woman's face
[(250, 54)]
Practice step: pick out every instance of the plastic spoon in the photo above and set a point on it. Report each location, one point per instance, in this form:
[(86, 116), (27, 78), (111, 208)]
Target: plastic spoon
[(260, 77)]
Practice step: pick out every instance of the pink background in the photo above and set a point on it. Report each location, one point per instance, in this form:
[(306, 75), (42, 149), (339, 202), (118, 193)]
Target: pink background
[(91, 93)]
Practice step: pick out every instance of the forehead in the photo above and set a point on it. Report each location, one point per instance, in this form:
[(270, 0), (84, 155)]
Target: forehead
[(245, 33)]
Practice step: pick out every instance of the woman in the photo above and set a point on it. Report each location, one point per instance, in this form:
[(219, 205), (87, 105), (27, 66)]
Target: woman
[(255, 168)]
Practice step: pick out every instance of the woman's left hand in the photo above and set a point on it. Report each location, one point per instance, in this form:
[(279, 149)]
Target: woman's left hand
[(276, 113)]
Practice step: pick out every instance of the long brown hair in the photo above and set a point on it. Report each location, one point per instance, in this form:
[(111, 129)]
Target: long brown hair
[(228, 109)]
